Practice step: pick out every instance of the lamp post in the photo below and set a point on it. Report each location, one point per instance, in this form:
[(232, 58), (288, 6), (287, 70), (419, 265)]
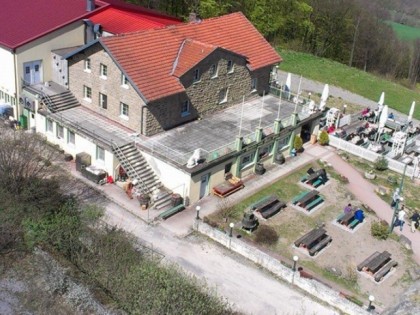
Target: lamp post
[(295, 260), (396, 198), (344, 109), (197, 209), (371, 299), (231, 225)]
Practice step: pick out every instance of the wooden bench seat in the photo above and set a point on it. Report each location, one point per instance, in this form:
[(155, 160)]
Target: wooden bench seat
[(320, 245), (304, 178), (170, 212), (353, 224), (314, 203), (268, 212), (384, 270), (340, 216), (259, 202), (308, 198), (317, 183), (374, 265), (298, 197)]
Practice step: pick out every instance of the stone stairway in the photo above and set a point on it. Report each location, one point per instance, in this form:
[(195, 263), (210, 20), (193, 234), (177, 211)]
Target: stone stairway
[(137, 168), (60, 102)]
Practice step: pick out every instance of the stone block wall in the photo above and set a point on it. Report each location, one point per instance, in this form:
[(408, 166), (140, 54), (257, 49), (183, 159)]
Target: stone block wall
[(111, 86)]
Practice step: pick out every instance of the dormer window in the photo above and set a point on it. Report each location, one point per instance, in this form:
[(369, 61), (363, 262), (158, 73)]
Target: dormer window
[(103, 72), (213, 71), (230, 66), (196, 75)]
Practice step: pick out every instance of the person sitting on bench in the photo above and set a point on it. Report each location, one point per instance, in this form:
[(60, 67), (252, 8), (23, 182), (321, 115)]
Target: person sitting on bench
[(359, 215), (348, 209)]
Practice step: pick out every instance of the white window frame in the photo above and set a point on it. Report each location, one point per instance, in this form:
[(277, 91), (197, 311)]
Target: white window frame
[(185, 110), (225, 98), (103, 71), (214, 70), (124, 81), (87, 65), (230, 66), (254, 82), (71, 137), (103, 100), (49, 125), (122, 107), (59, 132), (87, 93), (100, 154)]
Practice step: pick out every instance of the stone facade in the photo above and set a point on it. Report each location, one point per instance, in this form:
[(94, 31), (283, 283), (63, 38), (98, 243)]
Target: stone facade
[(204, 95), (110, 86)]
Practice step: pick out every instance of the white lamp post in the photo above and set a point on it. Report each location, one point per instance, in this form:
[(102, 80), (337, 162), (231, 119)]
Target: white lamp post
[(231, 225), (197, 209), (295, 260), (371, 299)]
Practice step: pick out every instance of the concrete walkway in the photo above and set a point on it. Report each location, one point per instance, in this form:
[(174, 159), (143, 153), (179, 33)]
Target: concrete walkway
[(364, 191)]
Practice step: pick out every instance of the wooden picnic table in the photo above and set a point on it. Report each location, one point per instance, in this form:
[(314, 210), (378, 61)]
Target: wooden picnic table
[(348, 217), (307, 198), (310, 238), (315, 175), (376, 263)]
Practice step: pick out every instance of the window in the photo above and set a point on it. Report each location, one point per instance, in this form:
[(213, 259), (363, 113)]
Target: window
[(100, 153), (253, 84), (27, 69), (266, 151), (71, 137), (103, 101), (247, 159), (87, 65), (60, 132), (284, 142), (49, 125), (7, 98), (103, 71), (223, 95), (213, 71), (196, 75), (185, 111), (230, 66), (12, 100), (87, 93), (124, 110), (124, 80), (1, 95)]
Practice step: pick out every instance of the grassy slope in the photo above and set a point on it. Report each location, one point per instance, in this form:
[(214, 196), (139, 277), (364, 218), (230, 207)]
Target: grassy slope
[(405, 32), (354, 80)]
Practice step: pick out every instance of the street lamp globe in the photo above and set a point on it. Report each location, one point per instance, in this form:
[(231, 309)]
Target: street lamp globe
[(232, 225), (371, 298), (198, 212), (295, 258)]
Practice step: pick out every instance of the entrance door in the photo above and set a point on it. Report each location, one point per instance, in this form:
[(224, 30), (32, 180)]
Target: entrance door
[(32, 72), (204, 187)]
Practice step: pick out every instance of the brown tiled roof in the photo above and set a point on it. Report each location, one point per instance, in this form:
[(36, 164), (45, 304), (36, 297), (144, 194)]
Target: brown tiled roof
[(148, 57)]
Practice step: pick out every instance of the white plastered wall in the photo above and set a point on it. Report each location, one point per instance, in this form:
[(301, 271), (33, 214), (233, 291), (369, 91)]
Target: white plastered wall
[(82, 144), (7, 72)]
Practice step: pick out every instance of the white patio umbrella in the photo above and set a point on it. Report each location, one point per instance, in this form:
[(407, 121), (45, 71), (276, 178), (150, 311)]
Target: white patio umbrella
[(324, 97), (382, 120), (289, 81), (382, 99), (410, 115)]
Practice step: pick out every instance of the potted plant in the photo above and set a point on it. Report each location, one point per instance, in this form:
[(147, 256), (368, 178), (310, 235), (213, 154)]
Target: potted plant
[(298, 144), (324, 138), (370, 174)]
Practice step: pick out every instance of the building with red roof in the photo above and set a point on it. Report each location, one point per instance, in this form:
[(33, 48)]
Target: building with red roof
[(177, 73), (31, 30)]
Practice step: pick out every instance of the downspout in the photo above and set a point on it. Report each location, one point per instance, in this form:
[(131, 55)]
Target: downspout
[(17, 88)]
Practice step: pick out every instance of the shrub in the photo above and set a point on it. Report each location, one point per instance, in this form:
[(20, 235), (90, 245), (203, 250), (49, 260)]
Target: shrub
[(381, 163), (379, 230), (266, 234), (298, 143), (324, 138)]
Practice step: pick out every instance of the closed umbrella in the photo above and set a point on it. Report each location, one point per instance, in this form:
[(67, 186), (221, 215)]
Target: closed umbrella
[(410, 115), (324, 97)]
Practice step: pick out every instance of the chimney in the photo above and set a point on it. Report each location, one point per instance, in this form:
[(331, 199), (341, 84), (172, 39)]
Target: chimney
[(192, 17), (90, 5)]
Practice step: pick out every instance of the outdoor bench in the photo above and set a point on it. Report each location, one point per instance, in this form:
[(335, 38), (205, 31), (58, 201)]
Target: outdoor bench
[(170, 212), (384, 270), (320, 245), (365, 262), (298, 197), (314, 203)]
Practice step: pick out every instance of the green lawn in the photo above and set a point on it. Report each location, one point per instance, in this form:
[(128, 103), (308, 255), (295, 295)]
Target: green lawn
[(405, 32), (352, 79)]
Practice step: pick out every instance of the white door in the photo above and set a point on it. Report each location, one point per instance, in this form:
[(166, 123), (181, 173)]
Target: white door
[(204, 187), (32, 72)]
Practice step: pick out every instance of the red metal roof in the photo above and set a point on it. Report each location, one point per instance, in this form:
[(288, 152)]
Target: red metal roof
[(148, 57), (22, 21), (120, 20)]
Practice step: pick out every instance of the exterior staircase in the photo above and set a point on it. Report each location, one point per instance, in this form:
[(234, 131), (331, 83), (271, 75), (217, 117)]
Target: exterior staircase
[(60, 102), (137, 167)]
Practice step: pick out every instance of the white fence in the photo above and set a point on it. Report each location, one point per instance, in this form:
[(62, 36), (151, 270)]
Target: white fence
[(369, 155)]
